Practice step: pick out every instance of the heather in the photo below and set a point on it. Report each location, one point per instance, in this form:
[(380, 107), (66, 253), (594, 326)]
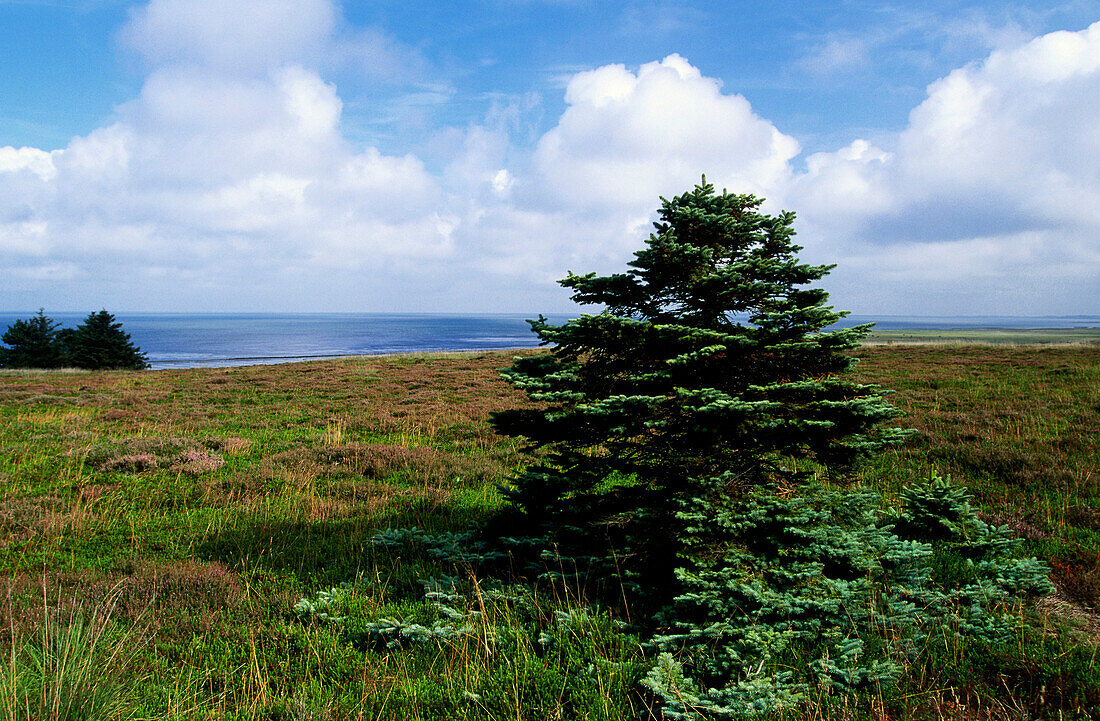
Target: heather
[(173, 522)]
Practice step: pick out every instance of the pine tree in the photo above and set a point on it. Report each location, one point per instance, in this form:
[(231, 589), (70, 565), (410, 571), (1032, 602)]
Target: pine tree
[(708, 373), (32, 343), (99, 343)]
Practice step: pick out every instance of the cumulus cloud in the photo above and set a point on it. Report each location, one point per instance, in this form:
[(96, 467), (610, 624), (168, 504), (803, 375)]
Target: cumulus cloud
[(234, 37), (31, 160), (585, 197), (230, 167), (229, 182), (995, 174), (626, 138)]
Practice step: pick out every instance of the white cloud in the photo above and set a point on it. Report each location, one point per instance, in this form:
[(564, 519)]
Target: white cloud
[(233, 37), (52, 272), (502, 182), (627, 138), (33, 160), (585, 198), (235, 186), (220, 171), (24, 238), (995, 177)]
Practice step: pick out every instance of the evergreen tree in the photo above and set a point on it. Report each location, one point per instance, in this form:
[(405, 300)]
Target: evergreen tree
[(32, 343), (709, 373), (99, 343), (675, 436)]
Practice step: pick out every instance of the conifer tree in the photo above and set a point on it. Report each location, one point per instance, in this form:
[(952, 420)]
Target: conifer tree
[(708, 373), (674, 434), (32, 343), (99, 343)]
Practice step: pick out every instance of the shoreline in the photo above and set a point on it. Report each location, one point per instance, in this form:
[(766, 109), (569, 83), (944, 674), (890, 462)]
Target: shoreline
[(1035, 337), (921, 336)]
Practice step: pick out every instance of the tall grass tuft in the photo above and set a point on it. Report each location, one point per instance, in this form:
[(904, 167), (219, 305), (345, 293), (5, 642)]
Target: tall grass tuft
[(65, 672)]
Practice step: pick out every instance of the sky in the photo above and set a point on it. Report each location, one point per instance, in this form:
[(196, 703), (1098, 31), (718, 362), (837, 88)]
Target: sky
[(319, 156)]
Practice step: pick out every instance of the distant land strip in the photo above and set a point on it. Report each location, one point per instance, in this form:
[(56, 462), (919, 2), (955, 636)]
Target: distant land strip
[(302, 356), (244, 360), (997, 336)]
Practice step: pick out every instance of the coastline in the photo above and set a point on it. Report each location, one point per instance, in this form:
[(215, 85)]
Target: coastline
[(921, 336), (179, 341), (1034, 337)]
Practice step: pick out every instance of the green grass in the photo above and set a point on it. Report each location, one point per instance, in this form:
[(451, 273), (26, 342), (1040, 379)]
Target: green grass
[(66, 671), (194, 508)]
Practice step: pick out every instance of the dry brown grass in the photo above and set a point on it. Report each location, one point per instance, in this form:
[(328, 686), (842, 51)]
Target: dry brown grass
[(44, 517), (169, 600)]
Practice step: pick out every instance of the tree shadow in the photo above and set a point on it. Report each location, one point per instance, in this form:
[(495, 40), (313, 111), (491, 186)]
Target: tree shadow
[(333, 551)]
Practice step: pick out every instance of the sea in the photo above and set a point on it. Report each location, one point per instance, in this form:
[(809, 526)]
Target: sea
[(193, 340)]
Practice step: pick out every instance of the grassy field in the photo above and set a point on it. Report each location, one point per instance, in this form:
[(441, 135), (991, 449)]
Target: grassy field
[(165, 527)]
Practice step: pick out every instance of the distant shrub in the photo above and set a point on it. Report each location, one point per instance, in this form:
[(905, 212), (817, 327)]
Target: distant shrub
[(229, 446), (196, 463), (32, 343), (99, 343), (138, 452), (132, 463)]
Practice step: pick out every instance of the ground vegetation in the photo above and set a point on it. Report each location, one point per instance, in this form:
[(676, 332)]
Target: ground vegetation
[(197, 576)]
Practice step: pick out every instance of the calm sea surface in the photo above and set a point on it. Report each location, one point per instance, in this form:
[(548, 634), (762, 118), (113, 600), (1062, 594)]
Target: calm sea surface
[(179, 340)]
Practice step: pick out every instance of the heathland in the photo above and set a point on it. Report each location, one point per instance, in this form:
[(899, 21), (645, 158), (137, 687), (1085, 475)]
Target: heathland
[(218, 543)]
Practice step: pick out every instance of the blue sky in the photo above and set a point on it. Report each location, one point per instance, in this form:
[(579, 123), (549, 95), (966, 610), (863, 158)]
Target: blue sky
[(311, 155)]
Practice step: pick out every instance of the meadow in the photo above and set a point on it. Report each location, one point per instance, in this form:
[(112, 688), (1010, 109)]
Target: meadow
[(219, 543)]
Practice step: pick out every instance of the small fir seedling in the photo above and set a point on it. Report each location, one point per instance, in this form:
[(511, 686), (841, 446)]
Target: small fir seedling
[(824, 590)]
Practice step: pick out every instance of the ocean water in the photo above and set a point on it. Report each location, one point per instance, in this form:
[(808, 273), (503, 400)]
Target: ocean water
[(182, 340)]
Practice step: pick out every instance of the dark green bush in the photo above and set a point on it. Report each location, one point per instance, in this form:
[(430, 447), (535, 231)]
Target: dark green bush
[(32, 343), (99, 343), (825, 590)]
